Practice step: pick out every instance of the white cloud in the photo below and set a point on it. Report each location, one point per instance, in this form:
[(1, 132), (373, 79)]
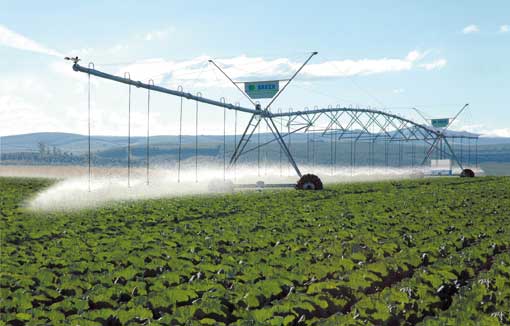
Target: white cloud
[(56, 101), (358, 67), (117, 48), (159, 34), (504, 28), (488, 132), (471, 29), (199, 72), (502, 132), (64, 68), (16, 111), (437, 64), (12, 39), (23, 103), (415, 55), (399, 91), (481, 129), (30, 104)]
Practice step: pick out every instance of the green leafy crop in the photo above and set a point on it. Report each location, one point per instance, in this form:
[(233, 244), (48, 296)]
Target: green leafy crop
[(431, 252)]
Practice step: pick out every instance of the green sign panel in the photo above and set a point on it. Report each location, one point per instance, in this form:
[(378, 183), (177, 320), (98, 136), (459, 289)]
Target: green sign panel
[(266, 89), (440, 123)]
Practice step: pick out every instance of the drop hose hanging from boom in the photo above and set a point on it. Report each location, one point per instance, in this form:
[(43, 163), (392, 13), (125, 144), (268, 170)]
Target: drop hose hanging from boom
[(308, 181), (257, 112)]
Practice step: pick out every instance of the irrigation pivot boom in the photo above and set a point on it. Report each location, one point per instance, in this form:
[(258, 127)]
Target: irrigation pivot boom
[(257, 117), (304, 119), (258, 114)]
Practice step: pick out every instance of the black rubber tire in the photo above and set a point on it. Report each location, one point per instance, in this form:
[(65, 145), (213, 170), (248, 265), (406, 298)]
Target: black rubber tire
[(467, 173), (309, 182)]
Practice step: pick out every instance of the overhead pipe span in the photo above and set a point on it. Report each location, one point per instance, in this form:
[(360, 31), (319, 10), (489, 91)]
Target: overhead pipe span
[(189, 96), (139, 84)]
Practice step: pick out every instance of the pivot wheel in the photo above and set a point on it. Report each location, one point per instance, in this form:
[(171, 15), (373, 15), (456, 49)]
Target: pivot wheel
[(309, 182), (467, 173)]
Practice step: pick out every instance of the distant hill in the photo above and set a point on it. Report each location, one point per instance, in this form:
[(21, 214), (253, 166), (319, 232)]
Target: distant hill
[(74, 143), (493, 140), (78, 144), (71, 149)]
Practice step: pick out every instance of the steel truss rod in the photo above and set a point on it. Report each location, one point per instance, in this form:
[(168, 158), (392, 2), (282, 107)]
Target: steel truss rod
[(290, 80), (457, 115), (434, 145), (272, 141), (399, 129), (245, 138), (255, 111), (333, 117), (272, 126), (263, 114), (310, 116), (364, 126), (233, 83), (387, 114), (383, 128), (441, 137), (153, 88), (452, 153), (349, 125)]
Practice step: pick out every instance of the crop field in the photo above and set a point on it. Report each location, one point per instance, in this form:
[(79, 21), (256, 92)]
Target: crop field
[(429, 252)]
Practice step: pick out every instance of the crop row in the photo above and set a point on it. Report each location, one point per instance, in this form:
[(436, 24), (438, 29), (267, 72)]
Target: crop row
[(270, 258)]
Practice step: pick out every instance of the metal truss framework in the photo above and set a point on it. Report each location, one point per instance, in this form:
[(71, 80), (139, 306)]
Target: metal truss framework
[(357, 124)]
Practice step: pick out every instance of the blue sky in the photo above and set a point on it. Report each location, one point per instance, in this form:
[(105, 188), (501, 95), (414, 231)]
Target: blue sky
[(433, 55)]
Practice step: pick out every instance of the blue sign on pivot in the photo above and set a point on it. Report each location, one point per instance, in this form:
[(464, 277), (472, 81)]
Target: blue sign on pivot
[(256, 90), (440, 123)]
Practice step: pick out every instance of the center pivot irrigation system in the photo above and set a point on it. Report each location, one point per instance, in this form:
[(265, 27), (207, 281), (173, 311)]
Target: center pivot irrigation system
[(342, 125)]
